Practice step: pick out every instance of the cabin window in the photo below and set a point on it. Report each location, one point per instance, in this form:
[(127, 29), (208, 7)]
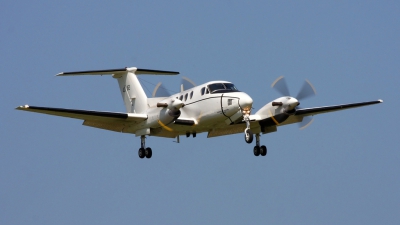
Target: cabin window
[(191, 95), (181, 98), (186, 96), (203, 90)]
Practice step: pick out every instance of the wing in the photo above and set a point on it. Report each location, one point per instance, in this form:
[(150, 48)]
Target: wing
[(114, 121), (326, 109), (268, 123)]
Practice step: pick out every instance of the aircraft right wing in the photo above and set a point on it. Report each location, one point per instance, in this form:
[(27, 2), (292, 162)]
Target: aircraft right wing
[(113, 121)]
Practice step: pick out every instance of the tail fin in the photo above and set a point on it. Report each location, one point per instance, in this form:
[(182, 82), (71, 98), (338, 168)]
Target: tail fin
[(133, 95)]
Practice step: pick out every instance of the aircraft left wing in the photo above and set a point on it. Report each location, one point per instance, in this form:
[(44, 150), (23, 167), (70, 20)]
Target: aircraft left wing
[(326, 109), (114, 121)]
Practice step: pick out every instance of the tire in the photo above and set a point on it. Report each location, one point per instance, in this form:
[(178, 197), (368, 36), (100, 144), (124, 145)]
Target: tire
[(141, 153), (263, 150), (248, 136), (148, 152), (256, 150)]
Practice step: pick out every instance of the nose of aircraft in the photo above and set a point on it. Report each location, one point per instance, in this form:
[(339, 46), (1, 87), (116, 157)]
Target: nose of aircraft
[(245, 102)]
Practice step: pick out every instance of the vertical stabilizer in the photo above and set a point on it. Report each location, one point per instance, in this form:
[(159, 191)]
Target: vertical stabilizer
[(133, 95)]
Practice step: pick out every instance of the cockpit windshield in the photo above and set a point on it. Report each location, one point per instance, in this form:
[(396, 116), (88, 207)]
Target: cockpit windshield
[(222, 88)]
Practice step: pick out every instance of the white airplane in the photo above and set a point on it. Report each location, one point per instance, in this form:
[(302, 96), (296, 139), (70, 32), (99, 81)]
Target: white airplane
[(216, 107)]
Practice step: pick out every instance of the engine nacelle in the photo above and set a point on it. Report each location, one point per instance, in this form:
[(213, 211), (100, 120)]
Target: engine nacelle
[(164, 114), (277, 111)]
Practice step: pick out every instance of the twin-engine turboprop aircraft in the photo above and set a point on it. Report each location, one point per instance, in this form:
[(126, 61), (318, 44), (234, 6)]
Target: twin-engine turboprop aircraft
[(216, 107)]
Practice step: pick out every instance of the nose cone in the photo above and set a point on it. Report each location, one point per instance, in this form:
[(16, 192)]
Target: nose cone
[(245, 101)]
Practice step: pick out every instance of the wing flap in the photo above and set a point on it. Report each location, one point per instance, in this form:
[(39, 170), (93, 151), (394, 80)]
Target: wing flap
[(113, 126)]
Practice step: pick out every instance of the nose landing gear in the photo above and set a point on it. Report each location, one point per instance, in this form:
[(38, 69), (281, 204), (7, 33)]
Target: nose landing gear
[(248, 134)]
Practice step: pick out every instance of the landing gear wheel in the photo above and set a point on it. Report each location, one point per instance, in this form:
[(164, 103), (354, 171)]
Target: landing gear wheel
[(148, 152), (263, 150), (141, 153), (248, 136), (256, 150)]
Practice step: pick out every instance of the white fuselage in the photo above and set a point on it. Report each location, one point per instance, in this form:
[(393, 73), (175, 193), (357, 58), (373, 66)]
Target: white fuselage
[(207, 108)]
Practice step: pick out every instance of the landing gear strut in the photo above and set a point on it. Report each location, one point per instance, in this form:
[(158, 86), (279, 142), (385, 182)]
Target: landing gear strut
[(143, 151), (248, 134), (259, 150)]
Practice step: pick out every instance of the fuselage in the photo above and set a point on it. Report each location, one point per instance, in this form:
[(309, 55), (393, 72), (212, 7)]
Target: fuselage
[(210, 105)]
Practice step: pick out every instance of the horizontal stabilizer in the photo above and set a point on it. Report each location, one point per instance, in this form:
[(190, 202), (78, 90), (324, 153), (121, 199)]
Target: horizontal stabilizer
[(134, 70)]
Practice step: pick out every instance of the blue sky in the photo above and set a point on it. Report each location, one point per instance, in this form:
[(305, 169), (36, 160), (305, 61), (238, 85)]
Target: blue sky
[(343, 169)]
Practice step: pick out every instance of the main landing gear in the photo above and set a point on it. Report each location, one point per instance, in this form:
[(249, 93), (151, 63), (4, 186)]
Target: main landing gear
[(259, 150), (143, 151)]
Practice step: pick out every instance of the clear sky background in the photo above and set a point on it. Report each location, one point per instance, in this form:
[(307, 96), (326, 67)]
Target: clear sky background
[(343, 169)]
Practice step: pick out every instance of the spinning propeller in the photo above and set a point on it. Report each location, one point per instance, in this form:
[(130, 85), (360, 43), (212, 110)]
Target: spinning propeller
[(306, 91), (161, 91)]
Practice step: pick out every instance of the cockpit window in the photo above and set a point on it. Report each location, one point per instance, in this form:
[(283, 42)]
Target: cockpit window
[(214, 87), (230, 86), (222, 88)]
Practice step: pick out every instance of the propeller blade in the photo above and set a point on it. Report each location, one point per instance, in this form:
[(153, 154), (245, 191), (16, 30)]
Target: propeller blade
[(280, 85), (187, 83), (160, 91), (306, 91), (307, 121)]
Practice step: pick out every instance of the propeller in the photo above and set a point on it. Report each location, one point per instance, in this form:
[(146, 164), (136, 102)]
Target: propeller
[(160, 91), (306, 91), (307, 121), (186, 83)]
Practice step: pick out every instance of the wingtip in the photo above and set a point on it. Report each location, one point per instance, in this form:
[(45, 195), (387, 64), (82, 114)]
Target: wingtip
[(22, 107), (380, 100)]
